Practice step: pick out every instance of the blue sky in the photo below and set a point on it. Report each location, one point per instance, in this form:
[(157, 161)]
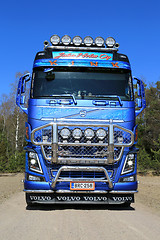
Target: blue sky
[(26, 24)]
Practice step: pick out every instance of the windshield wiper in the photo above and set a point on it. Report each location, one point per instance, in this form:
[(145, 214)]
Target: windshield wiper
[(111, 96), (66, 95)]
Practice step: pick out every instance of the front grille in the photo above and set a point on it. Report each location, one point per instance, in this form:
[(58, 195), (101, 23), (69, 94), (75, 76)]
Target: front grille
[(76, 152), (87, 148), (83, 174)]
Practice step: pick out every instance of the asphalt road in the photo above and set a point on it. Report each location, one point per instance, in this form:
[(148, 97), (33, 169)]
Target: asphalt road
[(75, 223)]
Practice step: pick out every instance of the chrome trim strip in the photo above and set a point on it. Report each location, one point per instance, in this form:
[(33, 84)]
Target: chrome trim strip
[(82, 120), (68, 191), (83, 191), (83, 48), (81, 180), (123, 192), (72, 168), (38, 191), (83, 144)]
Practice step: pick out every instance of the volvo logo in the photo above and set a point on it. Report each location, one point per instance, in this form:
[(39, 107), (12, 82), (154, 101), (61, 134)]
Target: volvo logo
[(83, 113)]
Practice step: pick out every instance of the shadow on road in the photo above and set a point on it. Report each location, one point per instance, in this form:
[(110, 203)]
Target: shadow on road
[(47, 207)]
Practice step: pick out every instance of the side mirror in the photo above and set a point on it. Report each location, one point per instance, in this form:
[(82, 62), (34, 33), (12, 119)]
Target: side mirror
[(139, 104), (25, 79), (20, 99), (139, 96), (138, 90)]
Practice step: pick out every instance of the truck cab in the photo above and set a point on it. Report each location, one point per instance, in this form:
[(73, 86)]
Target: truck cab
[(81, 130)]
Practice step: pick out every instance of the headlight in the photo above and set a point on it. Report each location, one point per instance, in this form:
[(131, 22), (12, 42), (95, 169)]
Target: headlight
[(77, 133), (65, 133), (66, 40), (101, 133), (55, 39), (88, 41), (77, 40), (33, 162), (89, 133), (99, 41), (129, 163), (110, 42)]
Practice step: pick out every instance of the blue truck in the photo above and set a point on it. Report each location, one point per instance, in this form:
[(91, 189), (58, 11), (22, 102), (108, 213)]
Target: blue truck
[(81, 129)]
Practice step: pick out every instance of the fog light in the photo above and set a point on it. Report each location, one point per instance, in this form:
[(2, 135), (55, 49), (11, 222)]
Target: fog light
[(101, 133), (65, 133), (128, 179), (77, 133), (35, 178), (89, 133)]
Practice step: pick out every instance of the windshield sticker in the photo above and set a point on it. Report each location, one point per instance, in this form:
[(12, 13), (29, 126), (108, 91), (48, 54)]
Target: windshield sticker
[(82, 55)]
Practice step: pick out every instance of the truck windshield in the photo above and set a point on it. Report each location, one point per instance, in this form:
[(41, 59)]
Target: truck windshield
[(82, 83)]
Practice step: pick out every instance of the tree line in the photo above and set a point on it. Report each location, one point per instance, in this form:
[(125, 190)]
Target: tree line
[(12, 132)]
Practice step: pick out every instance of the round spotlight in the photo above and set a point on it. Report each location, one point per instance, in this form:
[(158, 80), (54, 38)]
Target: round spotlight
[(66, 40), (99, 41), (55, 39), (101, 133), (65, 133), (77, 40), (89, 133), (88, 41), (110, 42), (77, 133)]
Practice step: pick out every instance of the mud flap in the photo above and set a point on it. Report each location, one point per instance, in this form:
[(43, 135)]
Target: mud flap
[(53, 198)]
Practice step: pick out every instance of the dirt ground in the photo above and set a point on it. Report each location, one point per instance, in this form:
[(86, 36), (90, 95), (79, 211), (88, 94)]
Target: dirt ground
[(149, 189), (10, 183)]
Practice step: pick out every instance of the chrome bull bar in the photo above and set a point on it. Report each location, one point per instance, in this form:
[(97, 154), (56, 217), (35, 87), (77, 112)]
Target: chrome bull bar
[(88, 169), (54, 142)]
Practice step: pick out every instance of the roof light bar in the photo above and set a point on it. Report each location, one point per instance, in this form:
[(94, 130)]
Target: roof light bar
[(66, 40), (55, 39), (88, 41)]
